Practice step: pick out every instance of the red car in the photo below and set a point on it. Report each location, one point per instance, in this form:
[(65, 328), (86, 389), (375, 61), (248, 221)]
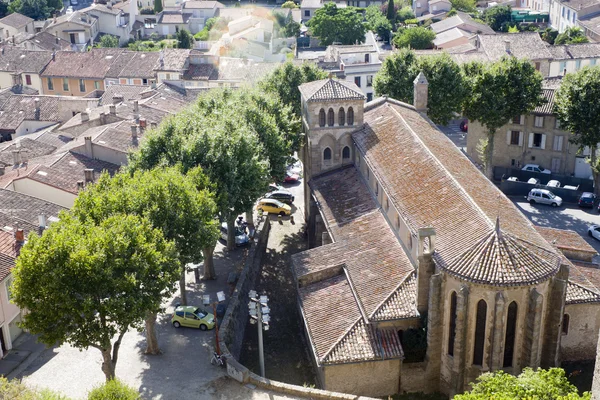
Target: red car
[(291, 178)]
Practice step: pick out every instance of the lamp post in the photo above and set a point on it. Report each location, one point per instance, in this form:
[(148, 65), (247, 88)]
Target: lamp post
[(206, 301), (259, 313)]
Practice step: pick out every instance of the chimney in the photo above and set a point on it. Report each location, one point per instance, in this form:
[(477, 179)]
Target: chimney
[(36, 102), (142, 125), (19, 241), (136, 108), (426, 266), (507, 46), (41, 223), (80, 185), (53, 57), (85, 116), (421, 91), (564, 71), (16, 157), (57, 40), (89, 175), (54, 19), (3, 51), (117, 98), (112, 109), (134, 132), (89, 149)]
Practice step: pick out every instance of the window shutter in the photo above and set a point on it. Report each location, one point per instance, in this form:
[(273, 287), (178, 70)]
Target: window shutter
[(508, 137), (522, 120), (543, 145), (520, 138), (555, 144), (560, 143), (530, 140)]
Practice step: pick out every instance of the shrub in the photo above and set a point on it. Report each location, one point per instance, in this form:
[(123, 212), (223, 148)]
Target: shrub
[(114, 390)]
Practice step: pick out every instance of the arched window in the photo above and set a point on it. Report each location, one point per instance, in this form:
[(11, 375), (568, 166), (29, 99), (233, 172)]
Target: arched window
[(341, 117), (330, 117), (565, 324), (322, 117), (327, 154), (350, 116), (479, 333), (511, 331), (452, 324), (346, 153)]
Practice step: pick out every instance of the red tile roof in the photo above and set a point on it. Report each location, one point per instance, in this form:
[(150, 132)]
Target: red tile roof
[(565, 239)]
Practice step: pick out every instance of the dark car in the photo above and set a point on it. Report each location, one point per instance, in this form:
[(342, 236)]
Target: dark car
[(282, 195), (587, 199)]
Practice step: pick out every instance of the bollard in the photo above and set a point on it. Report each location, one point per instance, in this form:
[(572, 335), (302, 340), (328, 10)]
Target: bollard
[(279, 218), (291, 219)]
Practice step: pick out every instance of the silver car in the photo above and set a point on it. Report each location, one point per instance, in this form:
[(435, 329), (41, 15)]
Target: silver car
[(543, 196)]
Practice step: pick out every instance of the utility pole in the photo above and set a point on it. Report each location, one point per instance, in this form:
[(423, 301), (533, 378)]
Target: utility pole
[(259, 312), (206, 301)]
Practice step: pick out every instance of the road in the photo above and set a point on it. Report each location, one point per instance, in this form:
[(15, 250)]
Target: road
[(565, 217)]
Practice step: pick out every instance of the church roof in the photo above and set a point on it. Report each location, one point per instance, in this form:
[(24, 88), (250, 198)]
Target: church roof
[(331, 90), (500, 259)]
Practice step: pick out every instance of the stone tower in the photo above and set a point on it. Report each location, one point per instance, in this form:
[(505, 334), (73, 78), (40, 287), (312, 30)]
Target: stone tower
[(421, 90)]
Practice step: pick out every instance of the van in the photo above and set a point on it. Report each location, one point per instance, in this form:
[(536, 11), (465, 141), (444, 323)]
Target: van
[(543, 196)]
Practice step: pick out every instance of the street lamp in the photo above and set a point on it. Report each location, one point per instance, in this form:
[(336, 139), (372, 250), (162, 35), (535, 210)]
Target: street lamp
[(206, 302), (259, 313)]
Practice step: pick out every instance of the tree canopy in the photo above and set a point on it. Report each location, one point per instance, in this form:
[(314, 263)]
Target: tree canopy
[(496, 17), (447, 88), (184, 39), (158, 6), (418, 38), (391, 11), (464, 5), (289, 4), (332, 24), (108, 41), (284, 81), (571, 35), (404, 13), (378, 23), (499, 92), (98, 281), (577, 107), (551, 384)]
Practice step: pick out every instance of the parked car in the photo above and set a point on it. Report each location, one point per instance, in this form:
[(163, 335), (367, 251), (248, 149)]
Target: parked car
[(291, 177), (74, 2), (587, 199), (543, 196), (273, 206), (241, 238), (535, 168), (273, 187), (285, 196), (533, 181), (571, 187), (295, 168), (69, 10), (553, 183), (594, 231), (513, 179), (192, 317)]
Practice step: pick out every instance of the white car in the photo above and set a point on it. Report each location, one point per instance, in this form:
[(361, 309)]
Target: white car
[(535, 168), (533, 181), (513, 179), (594, 231), (69, 10), (554, 184), (543, 196)]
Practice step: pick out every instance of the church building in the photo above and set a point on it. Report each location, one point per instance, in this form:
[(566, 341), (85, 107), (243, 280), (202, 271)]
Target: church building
[(421, 273)]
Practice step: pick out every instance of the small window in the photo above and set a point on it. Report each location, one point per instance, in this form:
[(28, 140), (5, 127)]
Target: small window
[(65, 84), (350, 116), (330, 117), (557, 124), (577, 65), (537, 66), (367, 58), (479, 343), (346, 153), (565, 324), (376, 188), (82, 86), (322, 117), (357, 80), (537, 140), (327, 154), (517, 120), (28, 80), (307, 13), (539, 121), (514, 137), (452, 325), (341, 117), (513, 162), (369, 97), (369, 80), (144, 82), (9, 282), (50, 84), (97, 85)]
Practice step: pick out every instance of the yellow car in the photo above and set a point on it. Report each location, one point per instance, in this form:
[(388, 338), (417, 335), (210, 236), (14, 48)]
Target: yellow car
[(193, 317), (273, 206)]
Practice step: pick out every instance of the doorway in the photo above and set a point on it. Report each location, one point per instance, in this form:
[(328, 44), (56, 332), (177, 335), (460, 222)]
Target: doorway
[(3, 341)]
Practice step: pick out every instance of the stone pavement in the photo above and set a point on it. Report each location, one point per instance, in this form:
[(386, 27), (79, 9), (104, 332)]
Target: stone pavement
[(25, 349)]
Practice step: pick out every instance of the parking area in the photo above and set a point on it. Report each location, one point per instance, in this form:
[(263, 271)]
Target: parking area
[(565, 217)]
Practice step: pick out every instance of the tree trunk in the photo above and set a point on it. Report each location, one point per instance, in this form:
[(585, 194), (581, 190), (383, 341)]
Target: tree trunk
[(489, 155), (595, 174), (108, 367), (209, 263), (151, 339), (231, 233), (250, 218), (182, 287)]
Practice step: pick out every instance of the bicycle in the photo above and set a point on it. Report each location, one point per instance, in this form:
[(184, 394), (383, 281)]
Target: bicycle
[(217, 359)]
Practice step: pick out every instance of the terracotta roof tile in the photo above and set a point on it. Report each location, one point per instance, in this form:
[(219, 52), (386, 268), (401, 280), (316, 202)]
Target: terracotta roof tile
[(19, 108), (565, 239), (16, 20), (331, 90)]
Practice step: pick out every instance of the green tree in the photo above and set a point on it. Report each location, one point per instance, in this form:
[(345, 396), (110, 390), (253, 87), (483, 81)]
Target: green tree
[(464, 5), (497, 16), (571, 35), (184, 39), (114, 390), (332, 24), (391, 11), (181, 206), (289, 4), (549, 35), (3, 9), (551, 384), (158, 6), (417, 38), (499, 92), (577, 106), (108, 41), (405, 13), (377, 22), (36, 9), (99, 281), (14, 389), (285, 79), (14, 6), (447, 88)]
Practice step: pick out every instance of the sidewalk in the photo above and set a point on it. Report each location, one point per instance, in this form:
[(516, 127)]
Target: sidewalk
[(25, 350)]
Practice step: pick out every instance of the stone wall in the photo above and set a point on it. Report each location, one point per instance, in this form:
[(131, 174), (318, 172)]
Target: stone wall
[(354, 377), (579, 343)]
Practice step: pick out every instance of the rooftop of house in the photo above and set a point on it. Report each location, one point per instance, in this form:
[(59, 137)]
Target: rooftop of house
[(200, 72), (102, 8), (126, 92), (19, 108), (565, 239), (136, 65), (330, 90), (527, 45), (7, 248), (93, 64), (243, 70), (16, 20), (75, 17), (584, 282), (21, 210), (578, 4), (450, 35), (193, 4), (17, 89), (582, 50), (47, 41), (459, 19), (17, 59), (27, 148), (173, 59), (174, 18)]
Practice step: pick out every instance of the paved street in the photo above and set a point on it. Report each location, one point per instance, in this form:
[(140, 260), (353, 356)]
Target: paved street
[(565, 217)]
